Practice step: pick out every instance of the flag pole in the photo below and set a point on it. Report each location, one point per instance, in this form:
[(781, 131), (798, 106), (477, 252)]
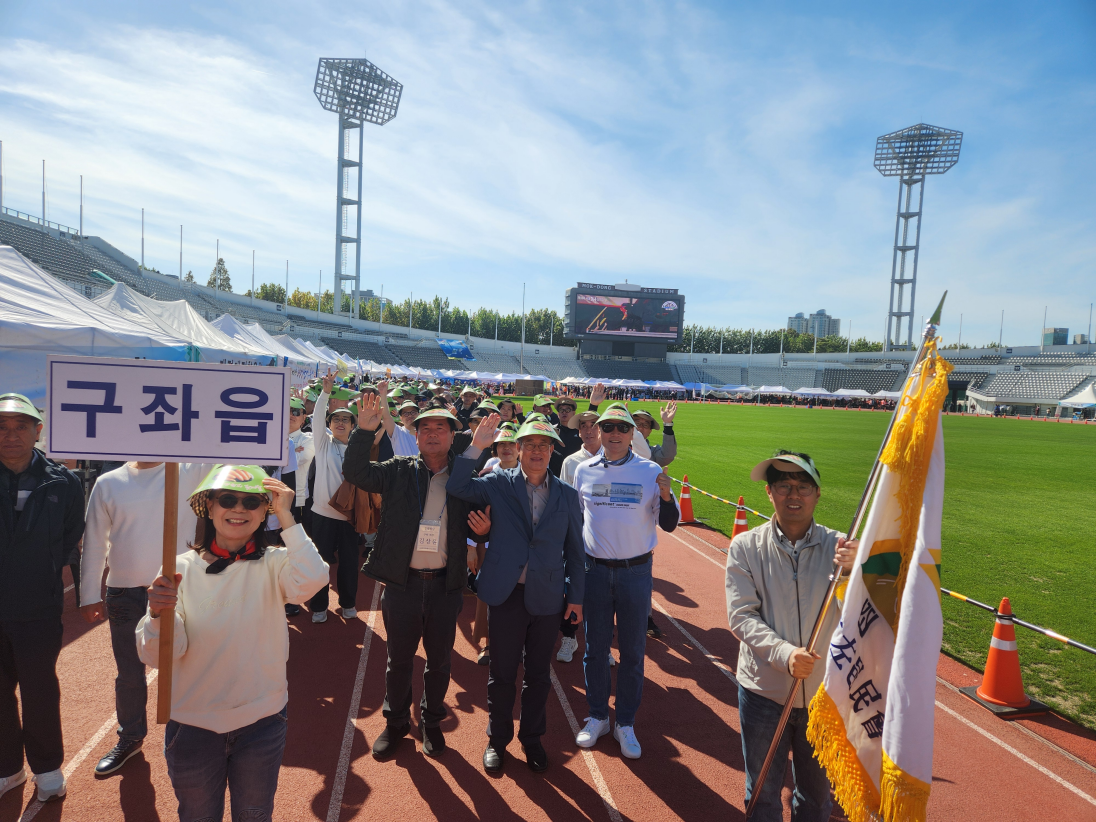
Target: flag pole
[(838, 572), (167, 615)]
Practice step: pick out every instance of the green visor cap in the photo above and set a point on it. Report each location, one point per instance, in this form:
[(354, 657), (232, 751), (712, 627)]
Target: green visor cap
[(616, 412), (294, 402), (490, 406), (785, 462), (312, 395), (243, 479), (541, 400), (409, 405), (540, 427), (536, 416), (438, 413), (18, 404), (468, 390), (507, 433), (343, 394), (648, 415)]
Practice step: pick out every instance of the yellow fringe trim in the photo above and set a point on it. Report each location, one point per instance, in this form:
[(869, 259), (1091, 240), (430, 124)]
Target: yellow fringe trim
[(852, 786), (905, 797), (910, 448)]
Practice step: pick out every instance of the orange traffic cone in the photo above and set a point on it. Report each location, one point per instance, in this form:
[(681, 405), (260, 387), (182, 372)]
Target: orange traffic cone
[(1002, 688), (686, 501), (740, 524)]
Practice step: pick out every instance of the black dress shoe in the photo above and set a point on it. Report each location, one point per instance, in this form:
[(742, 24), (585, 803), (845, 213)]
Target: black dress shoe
[(433, 741), (536, 757), (117, 757), (493, 758), (389, 740), (292, 610)]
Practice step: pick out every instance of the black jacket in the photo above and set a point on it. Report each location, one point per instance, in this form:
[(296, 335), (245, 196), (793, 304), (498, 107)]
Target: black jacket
[(394, 479), (35, 545)]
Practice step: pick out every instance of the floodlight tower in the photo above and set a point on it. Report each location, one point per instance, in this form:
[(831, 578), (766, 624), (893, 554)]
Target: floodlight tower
[(910, 155), (360, 93)]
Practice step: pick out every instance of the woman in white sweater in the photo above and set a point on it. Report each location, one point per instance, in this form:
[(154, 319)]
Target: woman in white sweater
[(229, 690)]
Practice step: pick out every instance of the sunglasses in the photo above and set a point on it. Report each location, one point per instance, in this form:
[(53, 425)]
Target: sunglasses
[(610, 427), (296, 412), (250, 502)]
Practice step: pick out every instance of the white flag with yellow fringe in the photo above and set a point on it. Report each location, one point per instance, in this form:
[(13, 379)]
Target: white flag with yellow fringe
[(871, 722)]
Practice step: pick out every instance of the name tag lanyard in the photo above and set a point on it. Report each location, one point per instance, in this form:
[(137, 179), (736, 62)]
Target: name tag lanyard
[(429, 536)]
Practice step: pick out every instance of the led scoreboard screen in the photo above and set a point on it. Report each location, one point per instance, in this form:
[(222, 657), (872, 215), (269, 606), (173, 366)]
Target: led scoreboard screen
[(609, 312)]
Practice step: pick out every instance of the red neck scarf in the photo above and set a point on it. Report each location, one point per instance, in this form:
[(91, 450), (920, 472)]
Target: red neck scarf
[(226, 558)]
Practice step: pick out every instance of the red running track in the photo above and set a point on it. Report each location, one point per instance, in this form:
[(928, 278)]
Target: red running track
[(985, 769)]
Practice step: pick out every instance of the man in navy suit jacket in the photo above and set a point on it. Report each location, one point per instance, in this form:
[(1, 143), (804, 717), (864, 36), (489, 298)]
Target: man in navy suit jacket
[(535, 543)]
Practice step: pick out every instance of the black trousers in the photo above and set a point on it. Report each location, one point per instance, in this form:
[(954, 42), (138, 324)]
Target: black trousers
[(425, 611), (338, 544), (28, 658), (516, 637)]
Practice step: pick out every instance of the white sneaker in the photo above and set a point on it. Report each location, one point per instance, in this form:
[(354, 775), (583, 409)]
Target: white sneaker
[(567, 648), (51, 785), (350, 613), (594, 730), (612, 660), (13, 781), (319, 616), (629, 745)]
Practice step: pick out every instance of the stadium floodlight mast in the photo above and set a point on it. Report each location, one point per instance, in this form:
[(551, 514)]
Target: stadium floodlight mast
[(359, 93), (910, 154)]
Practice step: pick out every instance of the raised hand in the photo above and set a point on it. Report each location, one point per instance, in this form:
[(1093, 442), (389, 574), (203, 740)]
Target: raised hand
[(369, 412), (485, 433), (328, 383), (480, 522), (667, 412), (382, 389), (597, 396)]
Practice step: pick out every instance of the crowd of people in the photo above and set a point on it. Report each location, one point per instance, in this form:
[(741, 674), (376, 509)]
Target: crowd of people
[(549, 518)]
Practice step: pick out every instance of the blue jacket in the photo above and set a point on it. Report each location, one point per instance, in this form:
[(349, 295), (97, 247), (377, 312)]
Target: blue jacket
[(554, 551)]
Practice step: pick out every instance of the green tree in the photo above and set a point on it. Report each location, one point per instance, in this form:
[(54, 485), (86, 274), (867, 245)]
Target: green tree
[(218, 277), (189, 278), (303, 299), (270, 292)]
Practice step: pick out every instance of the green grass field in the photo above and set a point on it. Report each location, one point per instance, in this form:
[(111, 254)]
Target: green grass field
[(1018, 520)]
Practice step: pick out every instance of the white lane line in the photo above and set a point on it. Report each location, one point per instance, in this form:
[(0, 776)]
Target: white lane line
[(595, 771), (697, 550), (78, 760), (727, 671), (334, 807), (1016, 753)]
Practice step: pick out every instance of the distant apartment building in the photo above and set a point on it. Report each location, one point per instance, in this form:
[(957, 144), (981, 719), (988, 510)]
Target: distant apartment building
[(1055, 336), (1080, 339), (798, 323), (818, 324)]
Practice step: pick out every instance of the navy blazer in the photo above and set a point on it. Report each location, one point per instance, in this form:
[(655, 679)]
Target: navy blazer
[(553, 550)]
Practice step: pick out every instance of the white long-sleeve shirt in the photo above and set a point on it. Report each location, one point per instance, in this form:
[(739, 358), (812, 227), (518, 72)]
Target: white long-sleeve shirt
[(125, 527), (572, 461), (301, 442), (404, 443), (231, 637), (329, 453)]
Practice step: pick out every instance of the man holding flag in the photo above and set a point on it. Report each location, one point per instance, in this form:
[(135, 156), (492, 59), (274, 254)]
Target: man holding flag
[(777, 579)]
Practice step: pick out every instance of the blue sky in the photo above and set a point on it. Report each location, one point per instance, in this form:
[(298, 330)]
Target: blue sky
[(723, 149)]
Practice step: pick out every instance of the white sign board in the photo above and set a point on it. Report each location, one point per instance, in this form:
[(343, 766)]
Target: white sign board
[(156, 411)]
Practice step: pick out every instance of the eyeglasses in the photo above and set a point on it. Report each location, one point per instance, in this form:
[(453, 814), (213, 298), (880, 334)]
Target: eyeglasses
[(296, 412), (250, 502), (803, 489), (536, 446), (610, 427)]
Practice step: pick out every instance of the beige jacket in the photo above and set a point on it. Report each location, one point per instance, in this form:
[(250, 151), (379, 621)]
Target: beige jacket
[(772, 603)]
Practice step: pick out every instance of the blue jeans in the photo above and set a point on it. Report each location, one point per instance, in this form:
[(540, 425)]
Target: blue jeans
[(626, 594), (200, 763), (811, 800), (125, 607)]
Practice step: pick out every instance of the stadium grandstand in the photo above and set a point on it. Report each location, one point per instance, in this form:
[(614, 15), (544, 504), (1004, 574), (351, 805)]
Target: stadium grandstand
[(984, 380)]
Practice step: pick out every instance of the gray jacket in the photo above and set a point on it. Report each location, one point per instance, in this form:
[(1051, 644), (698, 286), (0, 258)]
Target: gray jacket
[(664, 454), (772, 602)]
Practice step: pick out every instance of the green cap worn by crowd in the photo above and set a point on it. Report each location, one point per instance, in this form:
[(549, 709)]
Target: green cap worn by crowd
[(438, 413), (341, 393), (790, 463), (506, 433), (243, 479), (18, 404), (562, 401), (616, 412), (490, 406), (541, 400), (312, 394), (536, 416), (409, 405), (295, 402), (468, 390), (541, 428), (648, 415)]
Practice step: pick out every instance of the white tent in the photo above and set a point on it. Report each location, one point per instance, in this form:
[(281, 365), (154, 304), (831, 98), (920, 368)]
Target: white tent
[(820, 393), (180, 320), (851, 392), (1085, 398), (732, 389), (888, 395), (287, 342), (773, 389), (40, 315)]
